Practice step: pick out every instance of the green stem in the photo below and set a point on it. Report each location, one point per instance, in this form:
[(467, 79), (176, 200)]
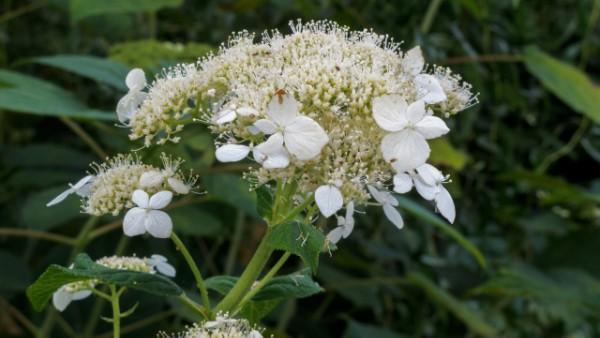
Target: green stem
[(565, 149), (255, 289), (194, 306), (116, 311), (432, 10), (248, 277), (195, 271)]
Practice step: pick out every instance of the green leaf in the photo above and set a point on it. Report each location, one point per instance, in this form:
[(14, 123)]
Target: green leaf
[(26, 94), (360, 330), (84, 8), (301, 239), (446, 300), (232, 189), (151, 55), (85, 269), (570, 84), (427, 216), (444, 153), (264, 201), (35, 214), (255, 311), (96, 68), (296, 285)]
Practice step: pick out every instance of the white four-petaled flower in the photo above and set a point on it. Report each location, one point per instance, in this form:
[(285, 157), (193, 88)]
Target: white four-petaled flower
[(428, 181), (329, 199), (345, 225), (389, 204), (63, 297), (405, 147), (428, 87), (147, 216), (81, 188), (129, 104), (160, 264)]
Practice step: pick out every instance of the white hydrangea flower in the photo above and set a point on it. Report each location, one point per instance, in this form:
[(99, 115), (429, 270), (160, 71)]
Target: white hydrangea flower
[(329, 199), (68, 293), (81, 188), (389, 204), (147, 216), (229, 114), (345, 225), (129, 104), (428, 181), (410, 127), (429, 89), (160, 264), (222, 327)]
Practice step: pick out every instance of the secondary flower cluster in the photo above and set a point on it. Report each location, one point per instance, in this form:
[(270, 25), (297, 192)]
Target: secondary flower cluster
[(124, 182), (81, 290), (221, 327), (344, 113)]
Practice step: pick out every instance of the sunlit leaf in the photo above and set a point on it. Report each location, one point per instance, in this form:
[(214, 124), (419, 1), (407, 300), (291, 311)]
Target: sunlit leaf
[(444, 153), (301, 239)]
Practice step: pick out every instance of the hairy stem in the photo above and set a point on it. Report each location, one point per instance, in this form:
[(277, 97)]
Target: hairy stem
[(195, 271)]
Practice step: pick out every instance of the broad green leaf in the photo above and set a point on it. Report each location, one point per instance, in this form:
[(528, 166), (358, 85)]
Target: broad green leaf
[(26, 94), (570, 84), (446, 300), (16, 276), (360, 330), (296, 285), (152, 55), (301, 239), (191, 220), (232, 189), (93, 67), (429, 217), (35, 214), (85, 269), (254, 311), (444, 153), (84, 8), (264, 201)]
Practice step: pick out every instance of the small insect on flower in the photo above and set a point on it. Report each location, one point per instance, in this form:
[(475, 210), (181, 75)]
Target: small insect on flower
[(147, 216)]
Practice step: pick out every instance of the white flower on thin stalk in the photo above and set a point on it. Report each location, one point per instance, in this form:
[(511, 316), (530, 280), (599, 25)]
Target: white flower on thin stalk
[(291, 133), (229, 114), (129, 104), (147, 216), (329, 199), (389, 204), (410, 127), (64, 296), (428, 87), (160, 264), (345, 225), (81, 188), (428, 181)]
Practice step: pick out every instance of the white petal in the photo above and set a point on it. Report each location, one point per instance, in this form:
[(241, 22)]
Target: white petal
[(158, 224), (335, 235), (141, 198), (255, 334), (430, 89), (85, 189), (329, 199), (350, 213), (412, 61), (426, 191), (253, 130), (267, 127), (415, 112), (304, 138), (406, 149), (224, 116), (402, 183), (136, 79), (445, 205), (376, 194), (432, 127), (129, 104), (272, 145), (232, 152), (247, 111), (178, 186), (79, 295), (151, 179), (166, 269), (430, 174), (388, 112), (158, 258), (134, 222), (161, 199), (393, 215), (61, 197), (277, 160), (61, 299), (283, 109), (82, 182)]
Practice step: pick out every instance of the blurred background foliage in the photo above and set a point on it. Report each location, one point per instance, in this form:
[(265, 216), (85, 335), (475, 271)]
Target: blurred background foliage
[(520, 261)]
